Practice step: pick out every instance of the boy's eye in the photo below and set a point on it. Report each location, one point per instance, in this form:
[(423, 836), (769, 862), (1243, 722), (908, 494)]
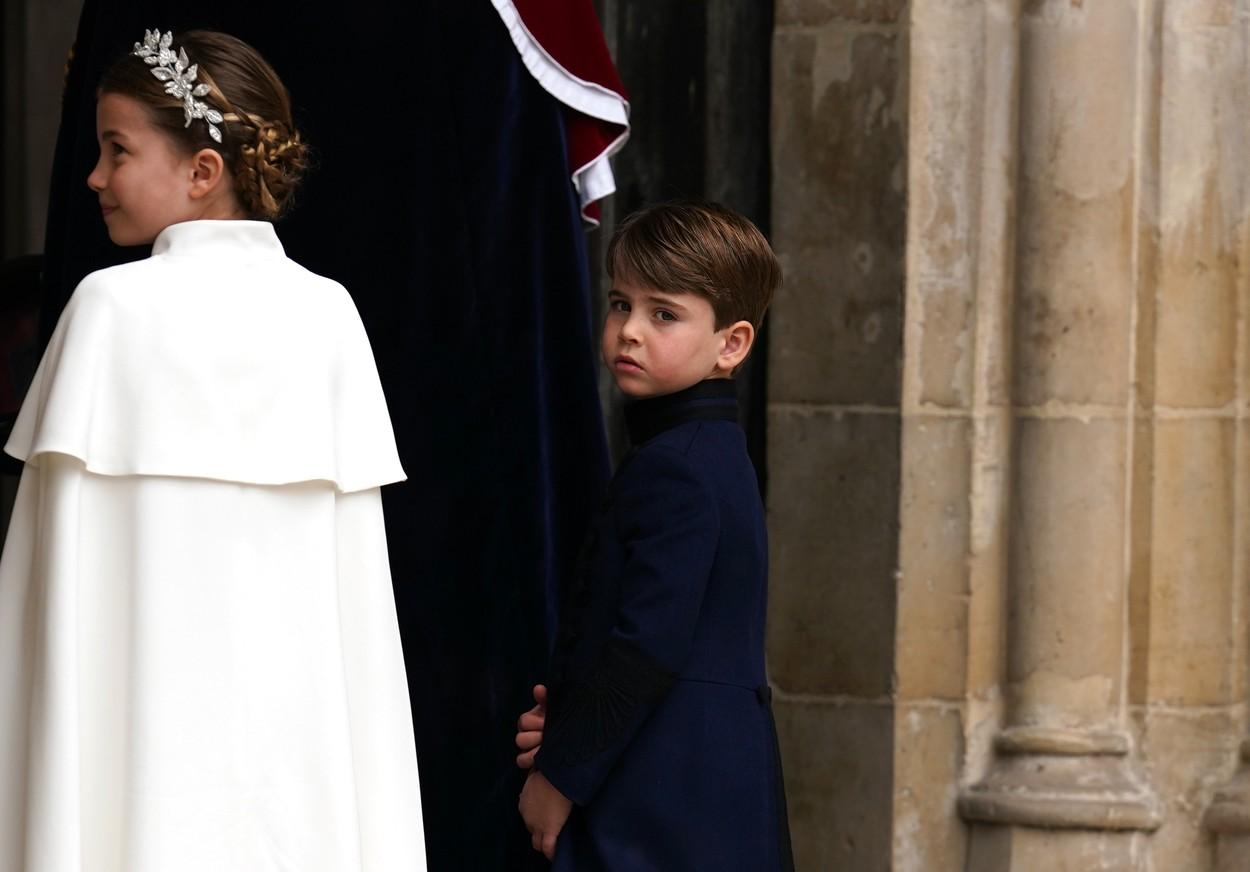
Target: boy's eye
[(665, 315), (618, 305)]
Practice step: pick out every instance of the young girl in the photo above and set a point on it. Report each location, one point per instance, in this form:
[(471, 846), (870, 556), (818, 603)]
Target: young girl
[(199, 658)]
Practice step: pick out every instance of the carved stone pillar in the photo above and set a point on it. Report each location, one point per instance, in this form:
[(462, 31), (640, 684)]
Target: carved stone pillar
[(1063, 763)]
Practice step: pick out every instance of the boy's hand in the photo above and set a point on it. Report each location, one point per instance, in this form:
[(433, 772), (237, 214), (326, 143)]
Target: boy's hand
[(544, 810), (529, 729)]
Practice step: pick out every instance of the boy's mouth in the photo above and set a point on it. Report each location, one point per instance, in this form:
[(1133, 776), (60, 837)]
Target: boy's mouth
[(625, 363)]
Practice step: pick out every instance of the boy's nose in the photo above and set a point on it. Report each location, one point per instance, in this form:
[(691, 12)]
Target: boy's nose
[(629, 330)]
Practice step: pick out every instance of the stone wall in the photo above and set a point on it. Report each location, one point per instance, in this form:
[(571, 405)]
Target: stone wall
[(1008, 434), (834, 419)]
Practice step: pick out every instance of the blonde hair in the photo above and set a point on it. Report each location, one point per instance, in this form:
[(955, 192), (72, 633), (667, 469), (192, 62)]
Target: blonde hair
[(260, 146)]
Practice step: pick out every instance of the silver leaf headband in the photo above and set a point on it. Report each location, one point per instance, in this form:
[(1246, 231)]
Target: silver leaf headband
[(178, 74)]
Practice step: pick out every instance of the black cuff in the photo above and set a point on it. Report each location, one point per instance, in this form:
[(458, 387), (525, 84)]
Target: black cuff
[(588, 715)]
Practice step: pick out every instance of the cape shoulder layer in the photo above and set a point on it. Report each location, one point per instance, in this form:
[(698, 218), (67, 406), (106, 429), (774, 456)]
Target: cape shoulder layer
[(217, 357)]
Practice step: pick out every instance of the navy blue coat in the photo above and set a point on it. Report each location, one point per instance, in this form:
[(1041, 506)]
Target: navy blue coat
[(659, 726)]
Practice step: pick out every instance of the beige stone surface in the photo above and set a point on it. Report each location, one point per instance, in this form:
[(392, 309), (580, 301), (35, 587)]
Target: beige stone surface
[(932, 647), (1202, 204), (1002, 849), (1009, 439), (1233, 854), (1141, 560), (832, 502), (1192, 615), (815, 12), (928, 756), (988, 578), (1067, 572), (1189, 754), (947, 342), (838, 760), (838, 215)]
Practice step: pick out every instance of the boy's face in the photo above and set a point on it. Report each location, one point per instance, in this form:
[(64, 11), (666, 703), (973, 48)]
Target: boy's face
[(659, 342)]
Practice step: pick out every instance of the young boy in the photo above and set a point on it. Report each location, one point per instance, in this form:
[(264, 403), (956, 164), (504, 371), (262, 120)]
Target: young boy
[(657, 750)]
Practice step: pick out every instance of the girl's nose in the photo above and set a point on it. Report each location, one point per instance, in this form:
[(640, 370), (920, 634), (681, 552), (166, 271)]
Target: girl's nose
[(96, 180)]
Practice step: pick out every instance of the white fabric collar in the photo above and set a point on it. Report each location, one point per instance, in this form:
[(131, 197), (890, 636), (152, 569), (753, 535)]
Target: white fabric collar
[(209, 238)]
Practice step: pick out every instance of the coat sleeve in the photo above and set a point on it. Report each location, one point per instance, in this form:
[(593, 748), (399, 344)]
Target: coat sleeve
[(669, 524)]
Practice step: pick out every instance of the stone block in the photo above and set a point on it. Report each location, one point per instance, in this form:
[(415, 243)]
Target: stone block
[(1192, 589), (944, 194), (833, 492), (1067, 571), (1201, 204), (1200, 212), (932, 624), (838, 762), (806, 13), (839, 203), (1021, 849), (928, 757), (945, 333), (1232, 853), (1186, 755)]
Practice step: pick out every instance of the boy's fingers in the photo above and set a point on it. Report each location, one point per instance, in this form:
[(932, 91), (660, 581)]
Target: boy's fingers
[(532, 719), (536, 840), (529, 740), (549, 846), (540, 694), (526, 760)]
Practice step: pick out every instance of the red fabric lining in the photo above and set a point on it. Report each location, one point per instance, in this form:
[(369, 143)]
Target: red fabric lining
[(569, 31)]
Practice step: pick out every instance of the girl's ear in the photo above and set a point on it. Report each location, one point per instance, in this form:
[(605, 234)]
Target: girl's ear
[(739, 337), (207, 171)]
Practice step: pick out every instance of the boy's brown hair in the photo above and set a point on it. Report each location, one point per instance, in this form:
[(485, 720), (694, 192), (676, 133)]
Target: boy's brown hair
[(698, 248)]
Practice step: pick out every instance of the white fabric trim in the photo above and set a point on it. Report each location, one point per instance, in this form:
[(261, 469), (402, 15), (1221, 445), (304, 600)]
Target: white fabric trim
[(595, 180), (589, 98)]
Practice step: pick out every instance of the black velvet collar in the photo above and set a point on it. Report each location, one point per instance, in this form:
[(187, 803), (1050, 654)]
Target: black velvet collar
[(714, 399)]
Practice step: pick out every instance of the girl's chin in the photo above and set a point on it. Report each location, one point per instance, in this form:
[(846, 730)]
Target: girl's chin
[(127, 239)]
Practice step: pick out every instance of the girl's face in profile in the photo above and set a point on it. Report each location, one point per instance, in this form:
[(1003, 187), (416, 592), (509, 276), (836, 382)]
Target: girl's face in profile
[(142, 179)]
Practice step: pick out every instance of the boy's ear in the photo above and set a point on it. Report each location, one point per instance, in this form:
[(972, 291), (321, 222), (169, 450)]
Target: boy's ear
[(207, 171), (739, 337)]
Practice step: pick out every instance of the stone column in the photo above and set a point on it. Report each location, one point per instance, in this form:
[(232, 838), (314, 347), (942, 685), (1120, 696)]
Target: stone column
[(1061, 793)]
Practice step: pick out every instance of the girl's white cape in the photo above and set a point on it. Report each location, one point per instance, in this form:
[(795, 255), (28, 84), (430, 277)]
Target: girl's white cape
[(200, 667)]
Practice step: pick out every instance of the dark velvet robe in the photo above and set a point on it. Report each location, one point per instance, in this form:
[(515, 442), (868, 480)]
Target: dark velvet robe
[(659, 726)]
